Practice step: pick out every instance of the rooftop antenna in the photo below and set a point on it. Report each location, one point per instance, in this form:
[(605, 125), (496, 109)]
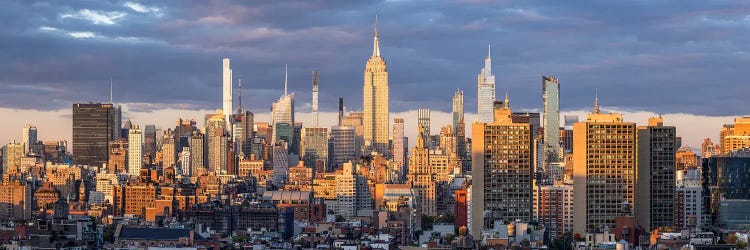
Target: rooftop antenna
[(239, 92), (110, 90)]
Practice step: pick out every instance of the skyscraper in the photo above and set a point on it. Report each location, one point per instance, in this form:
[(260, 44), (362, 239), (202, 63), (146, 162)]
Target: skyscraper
[(603, 169), (375, 100), (169, 147), (197, 152), (354, 120), (135, 151), (282, 110), (501, 169), (12, 154), (343, 140), (149, 141), (29, 137), (423, 118), (655, 199), (314, 146), (399, 152), (227, 90), (216, 142), (421, 177), (93, 129), (458, 108), (242, 132), (485, 91), (315, 98), (551, 120)]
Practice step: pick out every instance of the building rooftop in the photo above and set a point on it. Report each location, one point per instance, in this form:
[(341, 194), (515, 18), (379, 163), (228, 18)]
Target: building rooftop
[(132, 233)]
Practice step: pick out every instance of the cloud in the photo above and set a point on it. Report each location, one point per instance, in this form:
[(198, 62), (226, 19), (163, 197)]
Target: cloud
[(47, 28), (82, 34), (96, 17), (142, 8)]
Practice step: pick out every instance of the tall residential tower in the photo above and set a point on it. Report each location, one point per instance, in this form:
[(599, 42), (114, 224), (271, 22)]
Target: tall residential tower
[(227, 82)]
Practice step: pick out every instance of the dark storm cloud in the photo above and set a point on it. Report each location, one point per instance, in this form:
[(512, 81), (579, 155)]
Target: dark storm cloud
[(678, 56)]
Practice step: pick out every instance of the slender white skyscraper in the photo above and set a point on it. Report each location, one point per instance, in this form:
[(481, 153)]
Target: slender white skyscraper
[(135, 151), (486, 91), (227, 81), (315, 98)]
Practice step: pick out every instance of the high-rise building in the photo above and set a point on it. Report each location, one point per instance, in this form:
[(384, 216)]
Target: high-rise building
[(551, 119), (29, 138), (184, 162), (423, 119), (226, 77), (399, 151), (352, 192), (376, 101), (656, 175), (242, 132), (282, 110), (118, 156), (169, 148), (603, 169), (216, 142), (93, 129), (354, 120), (735, 136), (315, 98), (197, 152), (280, 163), (421, 177), (554, 208), (16, 201), (485, 91), (314, 146), (501, 170), (135, 151), (343, 140), (12, 154), (458, 108), (149, 141), (447, 142)]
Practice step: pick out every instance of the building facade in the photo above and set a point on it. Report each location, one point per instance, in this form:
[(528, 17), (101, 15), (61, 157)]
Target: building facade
[(375, 101)]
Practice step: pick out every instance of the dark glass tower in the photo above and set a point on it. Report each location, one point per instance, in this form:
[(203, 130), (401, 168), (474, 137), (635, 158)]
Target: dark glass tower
[(94, 126)]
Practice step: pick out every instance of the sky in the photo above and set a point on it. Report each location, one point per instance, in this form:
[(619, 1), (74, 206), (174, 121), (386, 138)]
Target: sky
[(683, 59)]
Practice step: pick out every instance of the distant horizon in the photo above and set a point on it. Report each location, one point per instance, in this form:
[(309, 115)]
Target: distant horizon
[(692, 128)]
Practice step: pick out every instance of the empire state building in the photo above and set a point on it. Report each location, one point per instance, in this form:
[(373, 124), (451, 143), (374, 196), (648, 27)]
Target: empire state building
[(376, 101)]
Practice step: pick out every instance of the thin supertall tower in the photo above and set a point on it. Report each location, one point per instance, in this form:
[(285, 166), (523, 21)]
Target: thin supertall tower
[(375, 98), (551, 120), (227, 90), (485, 91), (315, 98)]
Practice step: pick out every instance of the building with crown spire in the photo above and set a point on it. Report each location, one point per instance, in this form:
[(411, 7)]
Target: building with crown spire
[(604, 165), (282, 111), (375, 101), (485, 91)]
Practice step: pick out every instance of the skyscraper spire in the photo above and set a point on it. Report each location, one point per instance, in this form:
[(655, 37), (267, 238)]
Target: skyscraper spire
[(315, 98), (286, 73), (596, 102), (375, 43), (110, 90)]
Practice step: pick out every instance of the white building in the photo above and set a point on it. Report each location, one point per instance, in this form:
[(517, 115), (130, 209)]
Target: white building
[(135, 151), (29, 137), (352, 192), (486, 92), (227, 90)]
